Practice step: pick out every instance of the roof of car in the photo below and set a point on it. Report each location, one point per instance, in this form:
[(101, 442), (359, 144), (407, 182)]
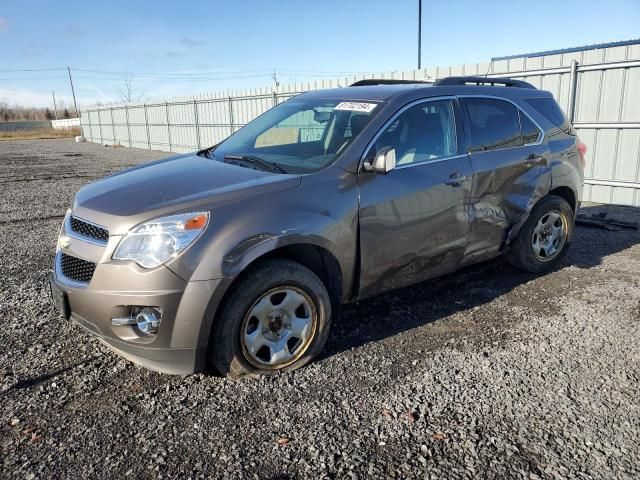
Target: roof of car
[(386, 92), (368, 92)]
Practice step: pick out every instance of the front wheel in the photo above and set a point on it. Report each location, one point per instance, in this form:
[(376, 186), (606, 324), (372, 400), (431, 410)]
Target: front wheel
[(276, 319), (545, 237)]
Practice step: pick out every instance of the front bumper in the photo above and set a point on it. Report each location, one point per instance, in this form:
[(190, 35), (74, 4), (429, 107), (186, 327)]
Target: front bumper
[(180, 345)]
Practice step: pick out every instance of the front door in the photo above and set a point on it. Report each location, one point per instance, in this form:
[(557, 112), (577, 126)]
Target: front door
[(413, 220)]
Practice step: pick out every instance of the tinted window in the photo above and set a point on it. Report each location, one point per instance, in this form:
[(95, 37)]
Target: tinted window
[(551, 110), (530, 131), (426, 131), (493, 124)]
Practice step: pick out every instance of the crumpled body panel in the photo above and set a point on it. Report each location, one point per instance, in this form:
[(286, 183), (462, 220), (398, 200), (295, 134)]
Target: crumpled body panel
[(506, 186)]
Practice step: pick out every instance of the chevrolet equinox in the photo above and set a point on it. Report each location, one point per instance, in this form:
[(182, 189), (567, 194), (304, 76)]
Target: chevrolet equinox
[(240, 255)]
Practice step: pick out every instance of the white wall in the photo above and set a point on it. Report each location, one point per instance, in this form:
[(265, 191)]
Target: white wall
[(65, 123)]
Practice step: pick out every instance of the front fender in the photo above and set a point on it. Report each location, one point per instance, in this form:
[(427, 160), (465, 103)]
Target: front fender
[(322, 211), (250, 249)]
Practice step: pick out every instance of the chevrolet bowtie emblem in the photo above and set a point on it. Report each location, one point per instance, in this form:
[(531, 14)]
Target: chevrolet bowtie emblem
[(64, 242)]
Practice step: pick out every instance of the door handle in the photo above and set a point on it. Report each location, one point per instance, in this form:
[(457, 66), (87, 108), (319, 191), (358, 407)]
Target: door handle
[(455, 179), (533, 159)]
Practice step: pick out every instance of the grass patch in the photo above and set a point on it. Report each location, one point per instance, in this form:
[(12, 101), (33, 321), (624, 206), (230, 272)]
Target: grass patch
[(41, 134)]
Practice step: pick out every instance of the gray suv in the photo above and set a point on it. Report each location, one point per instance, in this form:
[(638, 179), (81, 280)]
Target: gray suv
[(240, 255)]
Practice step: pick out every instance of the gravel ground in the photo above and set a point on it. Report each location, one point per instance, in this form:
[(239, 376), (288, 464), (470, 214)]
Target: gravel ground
[(487, 373)]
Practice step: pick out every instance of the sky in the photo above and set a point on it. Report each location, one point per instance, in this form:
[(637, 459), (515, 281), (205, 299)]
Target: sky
[(181, 47)]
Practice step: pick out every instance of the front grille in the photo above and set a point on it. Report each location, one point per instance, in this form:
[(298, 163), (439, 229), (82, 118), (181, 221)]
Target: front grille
[(89, 230), (76, 269)]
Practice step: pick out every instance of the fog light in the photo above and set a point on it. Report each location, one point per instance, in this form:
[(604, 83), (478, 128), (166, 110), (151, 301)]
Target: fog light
[(148, 320)]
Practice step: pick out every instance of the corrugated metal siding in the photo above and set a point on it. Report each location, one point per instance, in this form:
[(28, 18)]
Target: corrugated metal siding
[(606, 115), (606, 111)]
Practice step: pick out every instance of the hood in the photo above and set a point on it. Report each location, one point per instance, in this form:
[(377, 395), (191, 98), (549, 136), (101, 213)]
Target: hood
[(170, 185)]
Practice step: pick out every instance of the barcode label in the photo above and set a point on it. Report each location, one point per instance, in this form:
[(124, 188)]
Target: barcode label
[(356, 106)]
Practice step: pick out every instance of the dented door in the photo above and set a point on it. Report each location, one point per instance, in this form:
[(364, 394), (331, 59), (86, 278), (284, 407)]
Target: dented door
[(510, 172), (413, 220)]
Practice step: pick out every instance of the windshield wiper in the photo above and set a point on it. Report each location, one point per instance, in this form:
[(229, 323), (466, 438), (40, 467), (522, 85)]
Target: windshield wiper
[(264, 164)]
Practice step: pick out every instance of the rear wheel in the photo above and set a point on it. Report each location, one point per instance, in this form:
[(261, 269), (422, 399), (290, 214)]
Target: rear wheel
[(276, 319), (545, 237)]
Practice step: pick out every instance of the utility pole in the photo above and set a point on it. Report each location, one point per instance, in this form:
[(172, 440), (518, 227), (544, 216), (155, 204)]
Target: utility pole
[(275, 79), (55, 107), (73, 92), (419, 34)]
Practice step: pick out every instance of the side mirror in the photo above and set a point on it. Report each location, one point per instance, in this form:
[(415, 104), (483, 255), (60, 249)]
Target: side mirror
[(384, 162)]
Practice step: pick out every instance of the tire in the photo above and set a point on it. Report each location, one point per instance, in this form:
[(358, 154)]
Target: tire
[(261, 309), (525, 252)]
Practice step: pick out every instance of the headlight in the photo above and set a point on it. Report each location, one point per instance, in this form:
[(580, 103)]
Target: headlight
[(63, 240), (153, 243)]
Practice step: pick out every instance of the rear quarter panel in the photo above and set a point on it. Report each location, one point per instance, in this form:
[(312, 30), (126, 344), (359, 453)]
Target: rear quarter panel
[(566, 168), (564, 159)]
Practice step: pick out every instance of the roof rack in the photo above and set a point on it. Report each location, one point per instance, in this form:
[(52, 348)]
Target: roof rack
[(384, 81), (500, 81)]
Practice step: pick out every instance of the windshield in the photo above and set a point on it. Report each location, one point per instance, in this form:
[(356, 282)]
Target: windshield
[(297, 136)]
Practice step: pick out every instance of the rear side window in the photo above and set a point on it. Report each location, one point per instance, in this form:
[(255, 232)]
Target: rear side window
[(493, 124), (530, 132), (550, 109)]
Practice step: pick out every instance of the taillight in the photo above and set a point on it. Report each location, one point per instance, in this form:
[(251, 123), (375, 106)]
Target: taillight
[(582, 150)]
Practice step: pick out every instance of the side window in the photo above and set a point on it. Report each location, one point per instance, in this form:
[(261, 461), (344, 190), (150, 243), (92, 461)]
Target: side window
[(493, 124), (548, 107), (530, 131), (426, 131)]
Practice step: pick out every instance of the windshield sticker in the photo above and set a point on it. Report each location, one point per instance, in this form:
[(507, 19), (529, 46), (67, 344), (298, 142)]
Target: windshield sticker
[(356, 106)]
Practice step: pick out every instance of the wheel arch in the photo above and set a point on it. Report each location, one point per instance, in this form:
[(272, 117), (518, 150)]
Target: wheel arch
[(562, 191), (568, 194), (316, 258), (311, 251)]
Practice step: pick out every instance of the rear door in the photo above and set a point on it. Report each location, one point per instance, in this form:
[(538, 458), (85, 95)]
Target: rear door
[(509, 161), (413, 220)]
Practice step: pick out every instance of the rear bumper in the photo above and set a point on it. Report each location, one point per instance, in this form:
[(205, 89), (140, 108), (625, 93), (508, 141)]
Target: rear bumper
[(179, 347)]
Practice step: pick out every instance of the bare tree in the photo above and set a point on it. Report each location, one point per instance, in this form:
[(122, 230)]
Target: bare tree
[(4, 110), (128, 92), (19, 113)]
